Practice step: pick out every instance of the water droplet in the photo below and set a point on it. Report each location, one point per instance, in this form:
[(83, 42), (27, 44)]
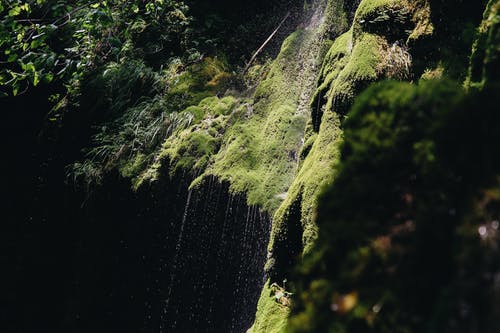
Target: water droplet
[(377, 307), (482, 231), (495, 225)]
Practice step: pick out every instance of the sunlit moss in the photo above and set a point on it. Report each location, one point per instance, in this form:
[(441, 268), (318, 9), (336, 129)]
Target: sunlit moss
[(198, 81), (368, 7), (193, 148), (259, 152), (276, 315)]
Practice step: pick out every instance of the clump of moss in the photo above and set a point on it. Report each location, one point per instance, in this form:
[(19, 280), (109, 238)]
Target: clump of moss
[(364, 54), (368, 8), (189, 85), (193, 148)]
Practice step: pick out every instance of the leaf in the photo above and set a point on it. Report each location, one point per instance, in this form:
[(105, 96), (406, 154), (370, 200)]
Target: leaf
[(15, 88), (13, 57), (15, 11), (48, 77), (36, 79), (36, 43)]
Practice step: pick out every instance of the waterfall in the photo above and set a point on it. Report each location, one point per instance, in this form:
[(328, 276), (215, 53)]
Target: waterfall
[(210, 274), (214, 245)]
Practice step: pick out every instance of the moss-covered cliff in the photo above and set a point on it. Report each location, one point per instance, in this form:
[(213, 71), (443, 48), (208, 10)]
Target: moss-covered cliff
[(396, 256), (346, 182)]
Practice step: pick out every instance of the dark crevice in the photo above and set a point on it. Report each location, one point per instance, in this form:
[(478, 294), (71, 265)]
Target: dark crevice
[(287, 245)]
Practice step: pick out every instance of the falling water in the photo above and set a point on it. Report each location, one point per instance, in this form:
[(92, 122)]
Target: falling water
[(211, 263), (177, 250), (210, 279)]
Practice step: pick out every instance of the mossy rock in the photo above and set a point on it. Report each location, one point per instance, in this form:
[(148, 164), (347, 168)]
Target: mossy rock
[(365, 54), (485, 59), (356, 58), (383, 17), (192, 149), (276, 314), (213, 106)]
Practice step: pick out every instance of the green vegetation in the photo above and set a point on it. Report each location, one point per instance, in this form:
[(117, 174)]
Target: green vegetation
[(369, 51), (45, 40), (193, 148), (258, 155), (350, 65), (417, 177), (131, 137), (412, 200), (276, 314), (484, 59), (370, 137), (368, 8), (259, 142)]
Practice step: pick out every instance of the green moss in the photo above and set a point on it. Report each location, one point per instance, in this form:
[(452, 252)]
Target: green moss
[(193, 151), (256, 146), (217, 106), (132, 167), (485, 58), (315, 172), (193, 148), (197, 111), (368, 7), (375, 14), (349, 65), (368, 230), (213, 106), (260, 150), (334, 62), (198, 81), (276, 314), (364, 65)]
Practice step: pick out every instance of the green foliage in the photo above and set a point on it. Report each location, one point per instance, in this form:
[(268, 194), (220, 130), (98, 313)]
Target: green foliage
[(138, 109), (257, 144), (45, 40)]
